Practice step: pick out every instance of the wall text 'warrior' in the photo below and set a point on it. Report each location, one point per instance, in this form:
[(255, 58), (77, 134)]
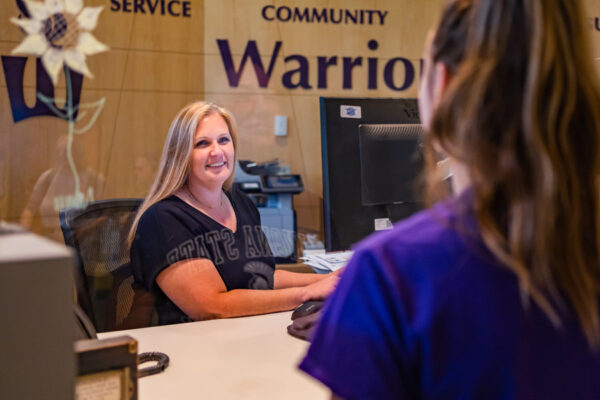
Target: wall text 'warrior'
[(398, 72)]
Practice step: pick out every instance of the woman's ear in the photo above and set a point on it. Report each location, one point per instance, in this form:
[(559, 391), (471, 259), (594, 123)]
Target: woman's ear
[(442, 80)]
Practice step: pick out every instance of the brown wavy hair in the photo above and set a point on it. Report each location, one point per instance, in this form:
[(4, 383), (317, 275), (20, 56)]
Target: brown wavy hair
[(522, 113)]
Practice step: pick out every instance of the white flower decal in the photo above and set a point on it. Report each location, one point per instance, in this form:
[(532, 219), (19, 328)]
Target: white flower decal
[(59, 32)]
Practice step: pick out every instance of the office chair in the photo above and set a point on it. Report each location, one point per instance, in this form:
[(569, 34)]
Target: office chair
[(104, 282)]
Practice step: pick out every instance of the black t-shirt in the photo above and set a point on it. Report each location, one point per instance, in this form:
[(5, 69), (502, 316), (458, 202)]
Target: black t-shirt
[(172, 230)]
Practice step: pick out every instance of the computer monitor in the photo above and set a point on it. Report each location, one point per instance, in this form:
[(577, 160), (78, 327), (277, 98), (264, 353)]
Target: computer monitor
[(346, 219), (36, 310), (391, 161)]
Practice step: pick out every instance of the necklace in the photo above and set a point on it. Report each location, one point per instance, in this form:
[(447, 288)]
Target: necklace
[(218, 213), (202, 204)]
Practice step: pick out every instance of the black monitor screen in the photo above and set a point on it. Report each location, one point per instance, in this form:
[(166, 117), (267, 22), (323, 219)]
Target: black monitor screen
[(390, 162), (346, 219)]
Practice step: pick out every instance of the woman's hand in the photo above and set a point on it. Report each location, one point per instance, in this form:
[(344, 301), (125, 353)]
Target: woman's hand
[(321, 289)]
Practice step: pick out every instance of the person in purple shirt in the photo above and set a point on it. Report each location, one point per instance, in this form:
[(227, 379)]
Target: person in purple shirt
[(493, 292)]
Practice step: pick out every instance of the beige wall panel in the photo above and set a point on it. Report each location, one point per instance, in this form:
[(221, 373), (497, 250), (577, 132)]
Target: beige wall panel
[(9, 31), (406, 19), (140, 129), (107, 69), (310, 219), (30, 147), (592, 14), (306, 111), (113, 29), (239, 21), (595, 36), (164, 72), (98, 140), (160, 33), (255, 118), (25, 153), (592, 8)]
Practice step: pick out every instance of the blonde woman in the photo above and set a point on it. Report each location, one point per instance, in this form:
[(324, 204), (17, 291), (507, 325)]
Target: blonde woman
[(197, 245), (492, 293)]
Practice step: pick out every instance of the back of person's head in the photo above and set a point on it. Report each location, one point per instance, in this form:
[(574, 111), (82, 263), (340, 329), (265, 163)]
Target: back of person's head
[(522, 114), (175, 161)]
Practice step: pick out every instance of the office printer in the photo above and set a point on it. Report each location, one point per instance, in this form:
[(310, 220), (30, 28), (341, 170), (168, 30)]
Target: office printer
[(271, 186)]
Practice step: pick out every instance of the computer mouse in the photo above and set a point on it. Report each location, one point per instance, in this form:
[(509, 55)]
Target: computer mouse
[(307, 308)]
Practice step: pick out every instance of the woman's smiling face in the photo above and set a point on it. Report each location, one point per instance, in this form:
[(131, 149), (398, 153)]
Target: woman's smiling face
[(213, 155)]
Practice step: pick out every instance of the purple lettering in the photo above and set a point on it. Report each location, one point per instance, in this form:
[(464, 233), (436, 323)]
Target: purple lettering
[(251, 52), (349, 16), (371, 12), (323, 64), (382, 15), (349, 65), (173, 13), (138, 5), (14, 69), (264, 12), (318, 17), (115, 5), (152, 7), (288, 16), (187, 9), (301, 16), (332, 19), (372, 62), (302, 72), (409, 73), (372, 71)]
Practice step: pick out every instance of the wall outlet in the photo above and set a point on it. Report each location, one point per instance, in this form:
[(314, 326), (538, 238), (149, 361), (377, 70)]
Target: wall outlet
[(280, 125)]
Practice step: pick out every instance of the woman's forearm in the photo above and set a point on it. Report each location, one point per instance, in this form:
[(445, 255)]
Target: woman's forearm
[(287, 279), (197, 289), (241, 302)]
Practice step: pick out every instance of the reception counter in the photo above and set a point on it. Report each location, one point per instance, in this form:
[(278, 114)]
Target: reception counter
[(249, 358)]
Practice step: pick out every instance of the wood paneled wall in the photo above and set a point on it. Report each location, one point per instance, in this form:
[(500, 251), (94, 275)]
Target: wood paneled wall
[(158, 63)]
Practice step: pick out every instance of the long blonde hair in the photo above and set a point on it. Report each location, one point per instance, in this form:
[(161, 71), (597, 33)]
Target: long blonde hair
[(522, 113), (175, 161)]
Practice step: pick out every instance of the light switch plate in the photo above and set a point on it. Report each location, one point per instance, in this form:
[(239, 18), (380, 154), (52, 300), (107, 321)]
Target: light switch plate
[(280, 125)]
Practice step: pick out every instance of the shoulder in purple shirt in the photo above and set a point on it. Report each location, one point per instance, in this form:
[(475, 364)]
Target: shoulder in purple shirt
[(425, 311)]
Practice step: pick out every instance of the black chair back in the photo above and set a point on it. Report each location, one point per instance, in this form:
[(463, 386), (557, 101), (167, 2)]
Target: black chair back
[(105, 286)]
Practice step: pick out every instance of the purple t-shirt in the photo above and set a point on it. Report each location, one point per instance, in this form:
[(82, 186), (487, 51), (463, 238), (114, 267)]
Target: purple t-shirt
[(425, 311)]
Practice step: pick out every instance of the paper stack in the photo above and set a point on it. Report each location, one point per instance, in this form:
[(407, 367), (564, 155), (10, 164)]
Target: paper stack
[(329, 262)]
